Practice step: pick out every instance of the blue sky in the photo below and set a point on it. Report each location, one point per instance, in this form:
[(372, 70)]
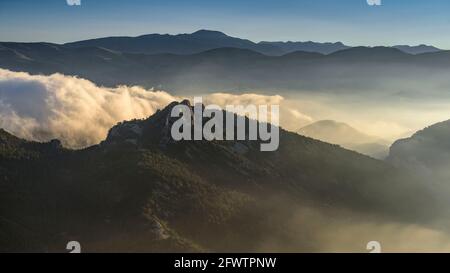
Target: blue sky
[(351, 21)]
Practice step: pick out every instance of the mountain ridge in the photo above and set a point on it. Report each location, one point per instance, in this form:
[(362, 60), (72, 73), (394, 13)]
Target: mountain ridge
[(136, 196), (222, 69), (427, 151), (202, 40)]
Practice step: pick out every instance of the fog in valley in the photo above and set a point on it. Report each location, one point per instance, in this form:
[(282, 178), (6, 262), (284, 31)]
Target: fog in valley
[(80, 113)]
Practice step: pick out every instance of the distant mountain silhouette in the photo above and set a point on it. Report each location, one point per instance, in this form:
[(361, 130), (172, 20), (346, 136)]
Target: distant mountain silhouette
[(417, 49), (377, 54), (348, 137), (324, 48), (231, 68), (203, 40), (196, 42)]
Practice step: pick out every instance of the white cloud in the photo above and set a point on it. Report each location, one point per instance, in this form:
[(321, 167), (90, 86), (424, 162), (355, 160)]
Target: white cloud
[(80, 113), (290, 117), (74, 110)]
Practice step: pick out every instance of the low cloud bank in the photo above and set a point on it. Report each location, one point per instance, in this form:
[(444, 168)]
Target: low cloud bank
[(80, 113), (290, 118), (308, 229), (74, 110)]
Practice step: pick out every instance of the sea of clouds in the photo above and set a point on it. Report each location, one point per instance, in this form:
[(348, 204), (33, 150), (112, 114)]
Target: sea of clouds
[(80, 113)]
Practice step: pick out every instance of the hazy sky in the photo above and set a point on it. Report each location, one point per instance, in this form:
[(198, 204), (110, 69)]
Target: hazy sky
[(351, 21)]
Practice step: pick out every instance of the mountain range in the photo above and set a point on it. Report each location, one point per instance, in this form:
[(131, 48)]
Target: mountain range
[(420, 49), (233, 69), (139, 190), (204, 40)]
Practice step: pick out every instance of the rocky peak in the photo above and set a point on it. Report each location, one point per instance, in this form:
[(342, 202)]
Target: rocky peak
[(155, 129)]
